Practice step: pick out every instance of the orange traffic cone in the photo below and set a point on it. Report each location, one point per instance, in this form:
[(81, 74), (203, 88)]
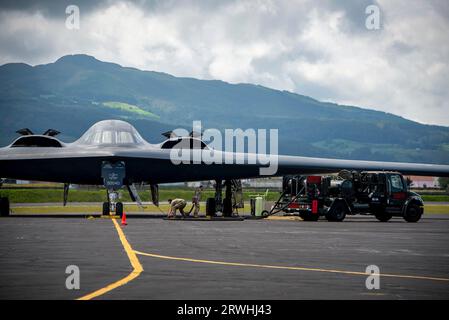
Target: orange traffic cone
[(124, 219)]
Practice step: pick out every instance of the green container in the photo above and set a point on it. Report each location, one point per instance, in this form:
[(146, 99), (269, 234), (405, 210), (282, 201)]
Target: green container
[(259, 206)]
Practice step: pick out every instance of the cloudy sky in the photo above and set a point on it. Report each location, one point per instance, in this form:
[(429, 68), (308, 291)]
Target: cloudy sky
[(321, 49)]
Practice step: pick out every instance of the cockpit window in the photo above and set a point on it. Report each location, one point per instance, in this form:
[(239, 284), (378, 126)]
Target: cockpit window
[(124, 137), (97, 138), (107, 137), (111, 132)]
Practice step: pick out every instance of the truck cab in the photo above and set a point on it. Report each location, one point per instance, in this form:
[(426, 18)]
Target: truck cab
[(393, 198)]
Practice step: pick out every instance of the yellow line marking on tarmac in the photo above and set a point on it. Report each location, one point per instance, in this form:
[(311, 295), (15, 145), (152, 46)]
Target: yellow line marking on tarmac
[(236, 264), (137, 267), (284, 218)]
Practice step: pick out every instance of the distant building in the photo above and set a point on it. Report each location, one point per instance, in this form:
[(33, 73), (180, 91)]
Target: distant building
[(23, 182), (195, 184), (424, 182), (273, 183)]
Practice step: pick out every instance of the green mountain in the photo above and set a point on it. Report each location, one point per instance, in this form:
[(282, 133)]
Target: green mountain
[(78, 90)]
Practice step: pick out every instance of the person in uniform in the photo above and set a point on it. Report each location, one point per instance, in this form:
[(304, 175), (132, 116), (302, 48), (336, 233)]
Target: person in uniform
[(196, 200), (176, 204)]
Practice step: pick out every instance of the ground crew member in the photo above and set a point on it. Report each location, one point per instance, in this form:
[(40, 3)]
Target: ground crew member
[(176, 204), (196, 200)]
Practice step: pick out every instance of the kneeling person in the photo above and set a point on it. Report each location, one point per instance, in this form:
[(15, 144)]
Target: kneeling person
[(176, 204)]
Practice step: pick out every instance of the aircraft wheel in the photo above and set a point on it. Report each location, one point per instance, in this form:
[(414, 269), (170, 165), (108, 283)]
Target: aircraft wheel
[(106, 208), (4, 207), (337, 212), (227, 207), (119, 209), (413, 213)]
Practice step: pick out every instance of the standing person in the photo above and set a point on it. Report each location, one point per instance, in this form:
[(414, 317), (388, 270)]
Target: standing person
[(196, 200), (176, 204)]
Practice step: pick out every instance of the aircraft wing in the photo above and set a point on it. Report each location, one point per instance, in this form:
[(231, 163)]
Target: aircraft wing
[(322, 165), (163, 169), (82, 166), (45, 158)]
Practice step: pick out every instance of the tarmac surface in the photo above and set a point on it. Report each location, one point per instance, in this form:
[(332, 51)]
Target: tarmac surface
[(283, 258)]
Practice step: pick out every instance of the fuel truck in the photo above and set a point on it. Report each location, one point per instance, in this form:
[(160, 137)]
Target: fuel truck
[(382, 194)]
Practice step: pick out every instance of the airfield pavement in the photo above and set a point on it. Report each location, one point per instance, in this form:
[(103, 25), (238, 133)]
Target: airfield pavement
[(280, 258)]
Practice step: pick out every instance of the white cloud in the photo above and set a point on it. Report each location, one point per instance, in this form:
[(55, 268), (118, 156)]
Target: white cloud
[(312, 48)]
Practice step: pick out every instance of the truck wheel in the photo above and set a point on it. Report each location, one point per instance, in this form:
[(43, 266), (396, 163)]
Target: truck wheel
[(383, 216), (309, 216), (4, 207), (413, 213), (105, 208), (337, 212), (119, 209)]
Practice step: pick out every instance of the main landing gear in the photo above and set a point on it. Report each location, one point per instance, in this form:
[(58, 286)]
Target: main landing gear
[(4, 203), (4, 207), (233, 198)]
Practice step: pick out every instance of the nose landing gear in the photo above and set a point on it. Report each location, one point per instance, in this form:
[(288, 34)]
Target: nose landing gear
[(113, 175), (112, 205)]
